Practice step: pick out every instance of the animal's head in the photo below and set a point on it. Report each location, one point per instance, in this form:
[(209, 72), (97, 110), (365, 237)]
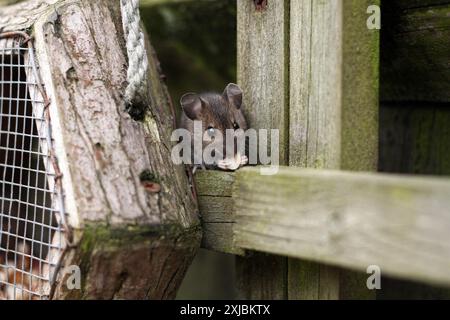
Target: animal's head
[(217, 112)]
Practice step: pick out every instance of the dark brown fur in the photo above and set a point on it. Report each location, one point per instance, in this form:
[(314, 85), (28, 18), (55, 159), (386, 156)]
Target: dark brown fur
[(218, 111)]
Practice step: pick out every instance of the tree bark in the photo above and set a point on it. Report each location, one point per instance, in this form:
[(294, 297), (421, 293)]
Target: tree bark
[(129, 241)]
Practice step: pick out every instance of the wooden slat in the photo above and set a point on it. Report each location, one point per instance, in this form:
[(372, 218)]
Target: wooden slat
[(333, 112), (315, 109), (315, 84), (263, 65), (350, 220), (214, 189), (263, 73), (333, 85)]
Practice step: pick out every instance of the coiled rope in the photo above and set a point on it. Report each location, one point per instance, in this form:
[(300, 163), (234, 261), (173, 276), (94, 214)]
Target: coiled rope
[(136, 90)]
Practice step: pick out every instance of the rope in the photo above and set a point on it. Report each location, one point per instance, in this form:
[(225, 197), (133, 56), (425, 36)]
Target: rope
[(136, 91)]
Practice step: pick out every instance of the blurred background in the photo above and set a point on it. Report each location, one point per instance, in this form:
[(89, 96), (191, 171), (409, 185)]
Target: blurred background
[(196, 45)]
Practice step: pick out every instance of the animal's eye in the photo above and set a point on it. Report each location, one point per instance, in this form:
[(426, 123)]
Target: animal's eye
[(235, 126), (210, 131)]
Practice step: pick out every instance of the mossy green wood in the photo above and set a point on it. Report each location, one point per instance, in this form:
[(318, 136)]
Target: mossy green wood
[(130, 242), (333, 114), (346, 219), (343, 218)]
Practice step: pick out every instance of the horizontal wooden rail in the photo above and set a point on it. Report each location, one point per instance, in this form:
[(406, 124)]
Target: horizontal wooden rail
[(353, 220)]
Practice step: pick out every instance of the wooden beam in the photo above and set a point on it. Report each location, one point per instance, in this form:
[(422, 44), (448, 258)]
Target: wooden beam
[(333, 110), (351, 220), (263, 66), (263, 73), (141, 242), (214, 191), (345, 219)]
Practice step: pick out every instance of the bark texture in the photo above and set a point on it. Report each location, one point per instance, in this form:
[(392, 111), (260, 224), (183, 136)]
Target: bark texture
[(129, 241)]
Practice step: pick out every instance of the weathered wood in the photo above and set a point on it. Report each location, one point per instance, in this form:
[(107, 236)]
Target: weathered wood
[(414, 51), (263, 66), (214, 191), (333, 86), (129, 242), (319, 215), (351, 220), (315, 101), (333, 107), (263, 73)]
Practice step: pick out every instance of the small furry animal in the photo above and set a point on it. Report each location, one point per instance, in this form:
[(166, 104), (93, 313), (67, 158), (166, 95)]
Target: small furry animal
[(19, 276), (216, 112)]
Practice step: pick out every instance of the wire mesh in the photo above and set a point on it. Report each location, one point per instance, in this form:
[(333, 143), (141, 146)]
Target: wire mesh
[(31, 207)]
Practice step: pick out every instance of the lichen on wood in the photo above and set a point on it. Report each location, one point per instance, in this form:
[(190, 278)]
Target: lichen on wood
[(130, 243)]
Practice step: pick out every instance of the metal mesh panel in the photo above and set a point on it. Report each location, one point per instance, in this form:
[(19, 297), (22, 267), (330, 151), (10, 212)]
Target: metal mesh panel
[(31, 206)]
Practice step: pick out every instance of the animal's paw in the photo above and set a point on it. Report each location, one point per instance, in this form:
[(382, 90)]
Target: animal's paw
[(233, 163)]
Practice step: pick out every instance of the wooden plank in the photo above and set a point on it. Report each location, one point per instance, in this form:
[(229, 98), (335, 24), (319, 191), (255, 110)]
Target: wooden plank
[(333, 110), (315, 95), (415, 52), (263, 74), (214, 189), (214, 183), (315, 83), (350, 220), (333, 85), (263, 67)]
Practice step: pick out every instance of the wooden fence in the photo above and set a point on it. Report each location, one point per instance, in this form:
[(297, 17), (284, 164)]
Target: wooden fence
[(312, 70)]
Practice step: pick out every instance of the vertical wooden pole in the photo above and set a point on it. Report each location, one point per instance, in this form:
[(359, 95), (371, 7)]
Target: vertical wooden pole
[(310, 69), (263, 59), (333, 115)]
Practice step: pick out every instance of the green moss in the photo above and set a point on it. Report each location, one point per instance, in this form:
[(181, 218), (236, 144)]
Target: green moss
[(107, 237), (148, 176)]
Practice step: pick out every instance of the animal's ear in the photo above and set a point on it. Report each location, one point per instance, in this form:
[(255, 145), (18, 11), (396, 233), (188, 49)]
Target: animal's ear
[(233, 94), (192, 105)]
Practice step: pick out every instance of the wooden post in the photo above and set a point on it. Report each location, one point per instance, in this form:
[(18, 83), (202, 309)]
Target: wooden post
[(263, 71), (310, 69), (131, 241), (333, 114)]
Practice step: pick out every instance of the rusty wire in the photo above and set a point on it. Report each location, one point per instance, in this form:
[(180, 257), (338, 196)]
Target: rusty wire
[(33, 225)]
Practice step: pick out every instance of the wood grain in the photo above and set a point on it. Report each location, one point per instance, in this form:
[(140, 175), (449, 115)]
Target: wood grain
[(333, 110), (214, 190), (347, 219), (263, 73), (128, 242)]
